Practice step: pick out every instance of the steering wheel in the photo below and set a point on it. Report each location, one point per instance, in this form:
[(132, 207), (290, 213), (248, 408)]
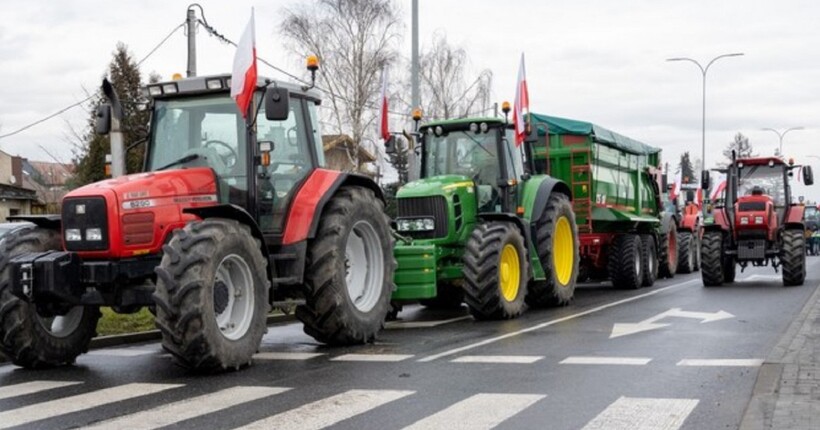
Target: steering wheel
[(294, 139), (230, 158)]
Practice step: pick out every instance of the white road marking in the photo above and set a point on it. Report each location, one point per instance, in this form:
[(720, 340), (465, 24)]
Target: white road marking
[(329, 411), (422, 324), (287, 355), (32, 387), (628, 361), (498, 359), (551, 322), (727, 362), (80, 402), (643, 414), (187, 409), (372, 357), (123, 352), (624, 329), (481, 411)]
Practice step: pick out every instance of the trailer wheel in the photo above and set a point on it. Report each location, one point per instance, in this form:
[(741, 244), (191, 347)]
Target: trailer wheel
[(212, 295), (28, 338), (793, 258), (713, 267), (349, 270), (556, 238), (649, 258), (668, 253), (449, 295), (495, 272), (625, 265), (686, 252)]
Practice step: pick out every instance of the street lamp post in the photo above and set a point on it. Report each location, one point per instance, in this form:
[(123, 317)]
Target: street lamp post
[(703, 71), (781, 136)]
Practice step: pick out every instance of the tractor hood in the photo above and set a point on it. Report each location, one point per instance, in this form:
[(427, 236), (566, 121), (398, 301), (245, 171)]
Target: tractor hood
[(199, 181), (437, 186)]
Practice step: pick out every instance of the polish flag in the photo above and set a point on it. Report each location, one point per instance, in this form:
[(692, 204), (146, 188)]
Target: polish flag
[(720, 187), (675, 191), (243, 78), (522, 104), (384, 132)]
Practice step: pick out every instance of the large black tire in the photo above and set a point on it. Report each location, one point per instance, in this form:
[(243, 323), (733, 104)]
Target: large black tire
[(649, 259), (625, 265), (483, 271), (330, 315), (192, 295), (713, 265), (793, 258), (24, 336), (558, 288), (668, 253), (696, 250), (449, 295), (729, 269), (686, 252)]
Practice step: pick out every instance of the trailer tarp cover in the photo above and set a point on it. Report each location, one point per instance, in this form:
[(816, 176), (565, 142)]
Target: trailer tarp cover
[(599, 134)]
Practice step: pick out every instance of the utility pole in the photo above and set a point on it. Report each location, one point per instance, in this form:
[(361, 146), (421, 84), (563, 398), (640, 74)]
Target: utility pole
[(414, 79), (190, 27)]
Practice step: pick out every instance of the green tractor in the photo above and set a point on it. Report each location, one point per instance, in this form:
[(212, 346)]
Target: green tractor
[(480, 227)]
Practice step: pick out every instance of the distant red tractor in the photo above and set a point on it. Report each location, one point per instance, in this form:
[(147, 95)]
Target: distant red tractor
[(760, 223)]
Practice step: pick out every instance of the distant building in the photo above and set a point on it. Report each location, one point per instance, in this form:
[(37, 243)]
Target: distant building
[(15, 198), (341, 153), (49, 180)]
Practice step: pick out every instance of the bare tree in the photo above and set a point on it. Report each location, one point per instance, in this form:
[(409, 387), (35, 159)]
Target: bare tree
[(354, 40), (741, 146)]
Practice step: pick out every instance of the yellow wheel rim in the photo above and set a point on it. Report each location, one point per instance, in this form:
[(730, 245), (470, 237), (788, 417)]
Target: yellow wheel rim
[(509, 277), (563, 251)]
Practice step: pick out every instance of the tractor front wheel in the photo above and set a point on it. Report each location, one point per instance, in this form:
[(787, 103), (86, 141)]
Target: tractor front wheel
[(668, 253), (28, 337), (349, 270), (495, 272), (212, 295), (557, 246), (686, 252), (625, 262), (793, 258), (713, 268)]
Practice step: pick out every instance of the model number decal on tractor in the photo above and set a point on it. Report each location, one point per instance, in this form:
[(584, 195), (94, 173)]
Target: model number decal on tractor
[(138, 204)]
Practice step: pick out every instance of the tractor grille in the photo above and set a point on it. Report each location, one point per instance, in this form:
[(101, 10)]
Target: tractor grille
[(82, 214), (751, 249), (430, 207), (138, 228)]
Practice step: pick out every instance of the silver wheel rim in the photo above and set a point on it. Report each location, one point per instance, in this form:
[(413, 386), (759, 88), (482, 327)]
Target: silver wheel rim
[(62, 326), (364, 266), (235, 319)]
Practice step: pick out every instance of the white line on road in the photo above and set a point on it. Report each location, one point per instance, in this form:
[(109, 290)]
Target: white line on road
[(81, 402), (498, 359), (287, 355), (627, 361), (187, 409), (32, 387), (423, 324), (481, 411), (551, 322), (123, 352), (643, 414), (329, 411), (372, 357), (727, 362)]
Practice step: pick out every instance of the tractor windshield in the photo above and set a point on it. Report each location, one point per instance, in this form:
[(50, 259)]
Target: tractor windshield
[(811, 214), (462, 153), (770, 181)]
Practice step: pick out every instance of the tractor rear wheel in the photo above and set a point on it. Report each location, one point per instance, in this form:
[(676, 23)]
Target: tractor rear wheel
[(212, 295), (793, 258), (557, 245), (27, 337), (686, 252), (495, 271), (449, 295), (649, 258), (625, 262), (349, 270), (713, 267), (668, 253)]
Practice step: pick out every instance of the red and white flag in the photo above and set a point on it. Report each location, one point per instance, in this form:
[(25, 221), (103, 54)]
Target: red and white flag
[(674, 192), (243, 78), (522, 104), (384, 131), (719, 188)]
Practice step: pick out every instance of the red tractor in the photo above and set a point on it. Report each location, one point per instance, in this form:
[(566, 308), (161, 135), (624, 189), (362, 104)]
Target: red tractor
[(230, 216), (759, 223)]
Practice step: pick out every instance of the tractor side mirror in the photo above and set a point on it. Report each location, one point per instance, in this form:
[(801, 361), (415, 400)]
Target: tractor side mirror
[(808, 175), (277, 101), (705, 180), (102, 119), (665, 182), (532, 135), (390, 145)]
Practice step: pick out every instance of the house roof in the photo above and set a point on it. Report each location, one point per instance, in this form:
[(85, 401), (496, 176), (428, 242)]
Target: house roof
[(341, 141), (49, 174)]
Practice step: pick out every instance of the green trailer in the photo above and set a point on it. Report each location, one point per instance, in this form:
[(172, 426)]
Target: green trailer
[(480, 227), (625, 234)]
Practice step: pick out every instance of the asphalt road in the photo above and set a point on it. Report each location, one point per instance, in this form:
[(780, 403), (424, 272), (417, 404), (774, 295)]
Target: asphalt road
[(676, 355)]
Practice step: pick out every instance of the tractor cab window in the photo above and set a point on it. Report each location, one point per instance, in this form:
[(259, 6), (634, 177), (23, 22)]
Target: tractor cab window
[(515, 160), (202, 132), (763, 179), (474, 155)]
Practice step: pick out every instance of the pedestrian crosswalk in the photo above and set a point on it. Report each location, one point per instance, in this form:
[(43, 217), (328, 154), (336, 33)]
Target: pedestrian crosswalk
[(180, 403)]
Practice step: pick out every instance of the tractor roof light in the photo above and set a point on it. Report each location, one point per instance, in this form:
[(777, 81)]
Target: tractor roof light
[(439, 131), (312, 63), (740, 165), (474, 127), (484, 127), (170, 88), (213, 84), (176, 77), (154, 90), (771, 163), (417, 114), (505, 107), (791, 161)]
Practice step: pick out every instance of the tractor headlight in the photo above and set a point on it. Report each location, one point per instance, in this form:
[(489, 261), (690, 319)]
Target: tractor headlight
[(474, 127), (744, 220), (758, 220), (484, 127), (416, 224), (93, 235), (73, 235)]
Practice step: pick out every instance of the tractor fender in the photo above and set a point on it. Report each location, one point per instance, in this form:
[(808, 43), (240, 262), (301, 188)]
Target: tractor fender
[(510, 218), (689, 222), (794, 226), (795, 214), (49, 222), (547, 186)]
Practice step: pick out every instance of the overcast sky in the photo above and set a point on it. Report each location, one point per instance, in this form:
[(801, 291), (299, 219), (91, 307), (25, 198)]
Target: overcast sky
[(600, 61)]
